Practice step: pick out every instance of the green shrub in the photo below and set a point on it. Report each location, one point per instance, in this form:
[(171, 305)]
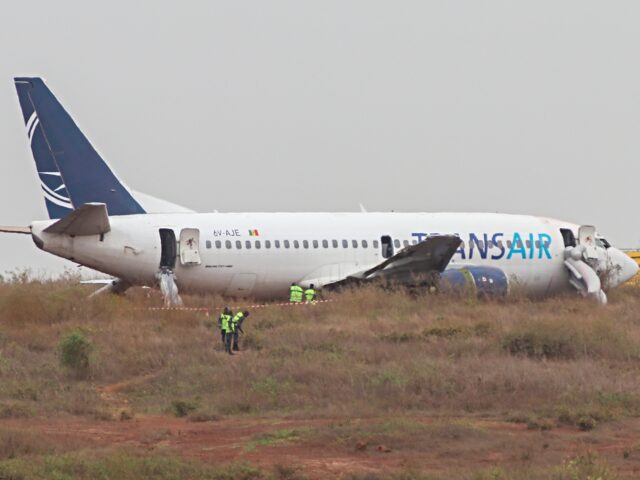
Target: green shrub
[(182, 408), (445, 332), (400, 337), (74, 351), (586, 423), (538, 345), (14, 410)]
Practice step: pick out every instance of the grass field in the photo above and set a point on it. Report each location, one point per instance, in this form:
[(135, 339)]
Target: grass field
[(391, 385)]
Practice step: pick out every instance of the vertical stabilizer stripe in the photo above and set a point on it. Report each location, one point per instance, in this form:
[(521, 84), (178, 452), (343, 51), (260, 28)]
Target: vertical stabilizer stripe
[(32, 118), (33, 129)]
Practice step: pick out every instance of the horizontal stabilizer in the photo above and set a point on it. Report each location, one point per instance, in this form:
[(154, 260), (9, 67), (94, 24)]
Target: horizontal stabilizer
[(22, 230), (89, 219)]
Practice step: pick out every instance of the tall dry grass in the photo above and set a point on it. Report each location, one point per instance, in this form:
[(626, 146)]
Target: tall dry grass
[(367, 353)]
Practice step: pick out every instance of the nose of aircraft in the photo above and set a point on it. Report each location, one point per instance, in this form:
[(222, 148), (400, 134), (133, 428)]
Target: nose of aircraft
[(623, 267)]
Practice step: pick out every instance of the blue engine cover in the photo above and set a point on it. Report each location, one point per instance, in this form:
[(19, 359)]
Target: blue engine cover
[(485, 281)]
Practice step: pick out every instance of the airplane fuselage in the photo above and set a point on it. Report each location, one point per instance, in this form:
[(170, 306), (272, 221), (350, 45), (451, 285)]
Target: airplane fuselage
[(260, 254)]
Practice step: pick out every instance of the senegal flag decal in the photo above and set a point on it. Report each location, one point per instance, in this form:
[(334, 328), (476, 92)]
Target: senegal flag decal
[(254, 233)]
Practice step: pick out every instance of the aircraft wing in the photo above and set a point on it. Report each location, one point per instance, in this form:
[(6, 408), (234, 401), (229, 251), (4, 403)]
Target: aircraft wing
[(88, 219), (23, 230), (412, 263)]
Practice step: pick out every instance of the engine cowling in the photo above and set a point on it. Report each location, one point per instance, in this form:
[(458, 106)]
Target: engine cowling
[(484, 281)]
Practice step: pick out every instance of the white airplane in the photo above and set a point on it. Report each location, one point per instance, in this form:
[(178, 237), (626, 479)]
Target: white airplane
[(96, 221)]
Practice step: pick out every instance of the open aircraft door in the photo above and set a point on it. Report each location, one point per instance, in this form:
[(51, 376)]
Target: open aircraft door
[(581, 260), (190, 246), (587, 237)]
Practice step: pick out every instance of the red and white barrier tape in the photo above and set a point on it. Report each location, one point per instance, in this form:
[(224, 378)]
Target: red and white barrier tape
[(236, 307)]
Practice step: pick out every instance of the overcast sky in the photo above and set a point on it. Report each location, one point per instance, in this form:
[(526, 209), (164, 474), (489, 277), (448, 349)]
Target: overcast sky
[(523, 107)]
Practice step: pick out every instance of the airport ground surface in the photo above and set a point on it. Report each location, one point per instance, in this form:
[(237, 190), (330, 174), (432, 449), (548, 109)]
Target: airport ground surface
[(369, 386)]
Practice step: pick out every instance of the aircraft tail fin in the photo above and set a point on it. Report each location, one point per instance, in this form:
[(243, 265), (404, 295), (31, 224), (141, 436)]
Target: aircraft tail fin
[(71, 171)]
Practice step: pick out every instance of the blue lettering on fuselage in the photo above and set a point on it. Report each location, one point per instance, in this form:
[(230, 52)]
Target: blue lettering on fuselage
[(497, 245)]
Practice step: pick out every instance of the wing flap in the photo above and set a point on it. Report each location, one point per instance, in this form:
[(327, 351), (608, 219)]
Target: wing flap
[(413, 262), (88, 219)]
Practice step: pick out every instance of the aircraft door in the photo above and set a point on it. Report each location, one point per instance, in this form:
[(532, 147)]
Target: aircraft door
[(387, 246), (587, 237), (190, 246), (168, 248)]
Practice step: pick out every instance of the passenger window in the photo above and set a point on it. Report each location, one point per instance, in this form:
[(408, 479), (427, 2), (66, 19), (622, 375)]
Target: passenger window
[(481, 244), (537, 243), (345, 244), (528, 243), (267, 244), (305, 244), (414, 242), (334, 243), (218, 244), (396, 243), (227, 243), (296, 244), (315, 244), (375, 244), (405, 243), (208, 243), (286, 244), (258, 244), (325, 244), (509, 243), (248, 244), (365, 244), (354, 243), (276, 243), (238, 244)]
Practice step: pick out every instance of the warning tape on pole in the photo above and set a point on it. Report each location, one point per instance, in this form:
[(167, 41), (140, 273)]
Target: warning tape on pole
[(235, 307)]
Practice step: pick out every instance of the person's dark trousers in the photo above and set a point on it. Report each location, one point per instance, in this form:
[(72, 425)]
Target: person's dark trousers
[(227, 345), (222, 336), (235, 341)]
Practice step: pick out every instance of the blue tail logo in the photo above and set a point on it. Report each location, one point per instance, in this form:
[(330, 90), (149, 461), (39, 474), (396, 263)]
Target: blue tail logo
[(71, 172)]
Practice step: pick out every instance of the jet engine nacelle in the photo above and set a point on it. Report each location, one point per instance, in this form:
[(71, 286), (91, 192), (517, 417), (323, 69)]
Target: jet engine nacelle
[(485, 281)]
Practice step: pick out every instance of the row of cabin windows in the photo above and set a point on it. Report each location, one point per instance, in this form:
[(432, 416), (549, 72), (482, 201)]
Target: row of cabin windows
[(257, 244)]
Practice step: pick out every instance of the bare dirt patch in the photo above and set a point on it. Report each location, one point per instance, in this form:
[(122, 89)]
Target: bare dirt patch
[(443, 443)]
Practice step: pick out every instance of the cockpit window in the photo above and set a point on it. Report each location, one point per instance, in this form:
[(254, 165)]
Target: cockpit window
[(602, 242)]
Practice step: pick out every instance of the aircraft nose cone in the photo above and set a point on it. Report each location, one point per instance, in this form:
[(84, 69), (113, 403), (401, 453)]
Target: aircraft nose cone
[(629, 269), (624, 267)]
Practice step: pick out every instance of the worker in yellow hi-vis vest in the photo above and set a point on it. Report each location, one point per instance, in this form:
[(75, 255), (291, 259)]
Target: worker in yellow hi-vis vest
[(310, 294), (295, 293)]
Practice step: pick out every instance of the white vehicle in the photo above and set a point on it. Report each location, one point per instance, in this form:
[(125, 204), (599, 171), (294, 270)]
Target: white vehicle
[(96, 221)]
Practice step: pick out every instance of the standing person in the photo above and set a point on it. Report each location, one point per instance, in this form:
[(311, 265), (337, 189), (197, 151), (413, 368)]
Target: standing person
[(295, 293), (223, 321), (310, 294), (228, 333), (237, 321)]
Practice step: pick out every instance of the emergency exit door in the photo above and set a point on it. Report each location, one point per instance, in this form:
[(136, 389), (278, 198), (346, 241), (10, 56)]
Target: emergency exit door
[(190, 246)]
